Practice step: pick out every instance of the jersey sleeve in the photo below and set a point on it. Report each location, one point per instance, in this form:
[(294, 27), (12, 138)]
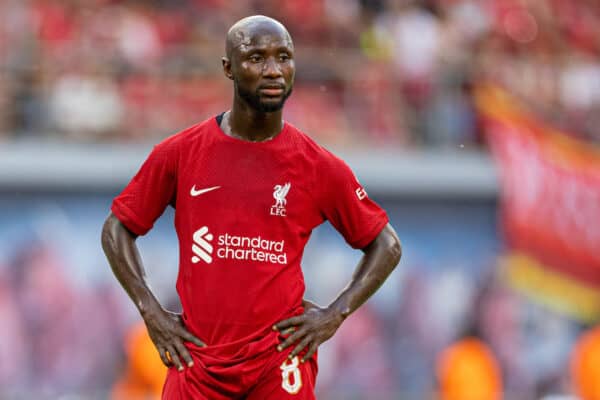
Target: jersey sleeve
[(346, 205), (150, 191)]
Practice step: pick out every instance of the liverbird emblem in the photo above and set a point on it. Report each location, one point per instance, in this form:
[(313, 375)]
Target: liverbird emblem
[(279, 194)]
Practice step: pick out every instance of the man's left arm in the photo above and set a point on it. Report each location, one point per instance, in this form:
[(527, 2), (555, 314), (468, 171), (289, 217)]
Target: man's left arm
[(318, 324)]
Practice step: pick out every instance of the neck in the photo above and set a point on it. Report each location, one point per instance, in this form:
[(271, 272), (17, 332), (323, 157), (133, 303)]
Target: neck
[(252, 125)]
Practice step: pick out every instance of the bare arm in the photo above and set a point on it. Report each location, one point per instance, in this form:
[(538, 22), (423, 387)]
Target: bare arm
[(317, 324), (165, 328)]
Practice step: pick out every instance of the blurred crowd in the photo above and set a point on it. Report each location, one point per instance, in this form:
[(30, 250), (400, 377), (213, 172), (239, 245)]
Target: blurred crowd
[(375, 72), (57, 336)]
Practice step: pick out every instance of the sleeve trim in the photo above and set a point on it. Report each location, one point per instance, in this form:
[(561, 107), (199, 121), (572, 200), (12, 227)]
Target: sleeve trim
[(129, 219), (371, 234)]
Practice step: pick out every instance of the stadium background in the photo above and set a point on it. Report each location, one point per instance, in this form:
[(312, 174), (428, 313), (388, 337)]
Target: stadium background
[(402, 90)]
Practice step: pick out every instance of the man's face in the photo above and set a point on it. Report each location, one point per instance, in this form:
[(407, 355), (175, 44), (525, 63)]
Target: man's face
[(263, 70)]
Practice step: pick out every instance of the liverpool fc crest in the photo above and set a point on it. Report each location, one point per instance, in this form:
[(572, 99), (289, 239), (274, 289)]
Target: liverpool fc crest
[(279, 194)]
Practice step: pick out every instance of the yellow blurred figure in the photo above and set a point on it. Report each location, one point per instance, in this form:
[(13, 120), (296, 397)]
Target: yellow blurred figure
[(585, 365), (468, 370), (145, 373)]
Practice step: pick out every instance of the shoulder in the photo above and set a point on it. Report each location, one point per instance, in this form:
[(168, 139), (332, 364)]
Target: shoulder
[(190, 135), (328, 168), (171, 150), (311, 149)]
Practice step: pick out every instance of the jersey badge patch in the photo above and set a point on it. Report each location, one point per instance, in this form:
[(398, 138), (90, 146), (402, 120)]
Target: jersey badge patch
[(279, 194)]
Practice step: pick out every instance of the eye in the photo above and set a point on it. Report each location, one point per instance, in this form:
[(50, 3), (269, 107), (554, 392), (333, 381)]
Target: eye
[(284, 57), (255, 58)]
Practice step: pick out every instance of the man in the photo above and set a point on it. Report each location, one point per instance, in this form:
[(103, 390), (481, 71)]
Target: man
[(248, 188)]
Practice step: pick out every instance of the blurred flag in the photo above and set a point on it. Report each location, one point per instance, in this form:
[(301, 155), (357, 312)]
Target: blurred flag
[(550, 206)]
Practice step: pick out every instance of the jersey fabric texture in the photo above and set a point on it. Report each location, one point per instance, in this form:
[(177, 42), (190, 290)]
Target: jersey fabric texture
[(243, 214)]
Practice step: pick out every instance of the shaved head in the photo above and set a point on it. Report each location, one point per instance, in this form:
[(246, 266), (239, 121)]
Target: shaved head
[(242, 33)]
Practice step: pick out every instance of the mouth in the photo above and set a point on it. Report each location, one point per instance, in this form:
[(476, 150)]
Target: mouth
[(272, 90)]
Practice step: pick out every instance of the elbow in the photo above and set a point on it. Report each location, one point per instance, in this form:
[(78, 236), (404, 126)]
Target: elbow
[(391, 246), (113, 233), (394, 251), (387, 247), (107, 237)]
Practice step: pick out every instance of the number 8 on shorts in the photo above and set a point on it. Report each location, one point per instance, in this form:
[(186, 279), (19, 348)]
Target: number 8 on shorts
[(291, 380)]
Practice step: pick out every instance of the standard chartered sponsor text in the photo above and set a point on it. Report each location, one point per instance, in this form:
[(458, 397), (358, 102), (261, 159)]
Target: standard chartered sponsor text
[(251, 248)]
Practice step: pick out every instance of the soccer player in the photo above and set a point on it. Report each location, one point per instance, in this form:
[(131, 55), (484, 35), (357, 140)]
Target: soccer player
[(248, 189)]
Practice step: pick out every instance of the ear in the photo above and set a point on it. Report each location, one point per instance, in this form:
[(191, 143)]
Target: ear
[(227, 67)]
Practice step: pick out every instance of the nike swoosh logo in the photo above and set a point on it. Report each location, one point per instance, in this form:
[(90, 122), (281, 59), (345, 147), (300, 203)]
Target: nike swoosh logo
[(195, 192)]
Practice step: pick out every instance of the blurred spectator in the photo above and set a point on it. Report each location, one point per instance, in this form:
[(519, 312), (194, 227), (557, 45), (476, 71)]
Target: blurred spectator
[(145, 373), (585, 365), (85, 105), (416, 38), (468, 370)]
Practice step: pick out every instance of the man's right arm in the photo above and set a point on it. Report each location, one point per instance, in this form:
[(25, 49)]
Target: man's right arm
[(166, 329)]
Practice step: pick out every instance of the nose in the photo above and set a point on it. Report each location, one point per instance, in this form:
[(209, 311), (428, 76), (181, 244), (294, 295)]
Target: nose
[(271, 68)]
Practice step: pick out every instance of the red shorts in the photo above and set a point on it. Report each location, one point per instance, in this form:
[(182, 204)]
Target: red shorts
[(246, 375)]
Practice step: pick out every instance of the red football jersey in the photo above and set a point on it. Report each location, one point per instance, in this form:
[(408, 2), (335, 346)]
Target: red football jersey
[(243, 214)]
